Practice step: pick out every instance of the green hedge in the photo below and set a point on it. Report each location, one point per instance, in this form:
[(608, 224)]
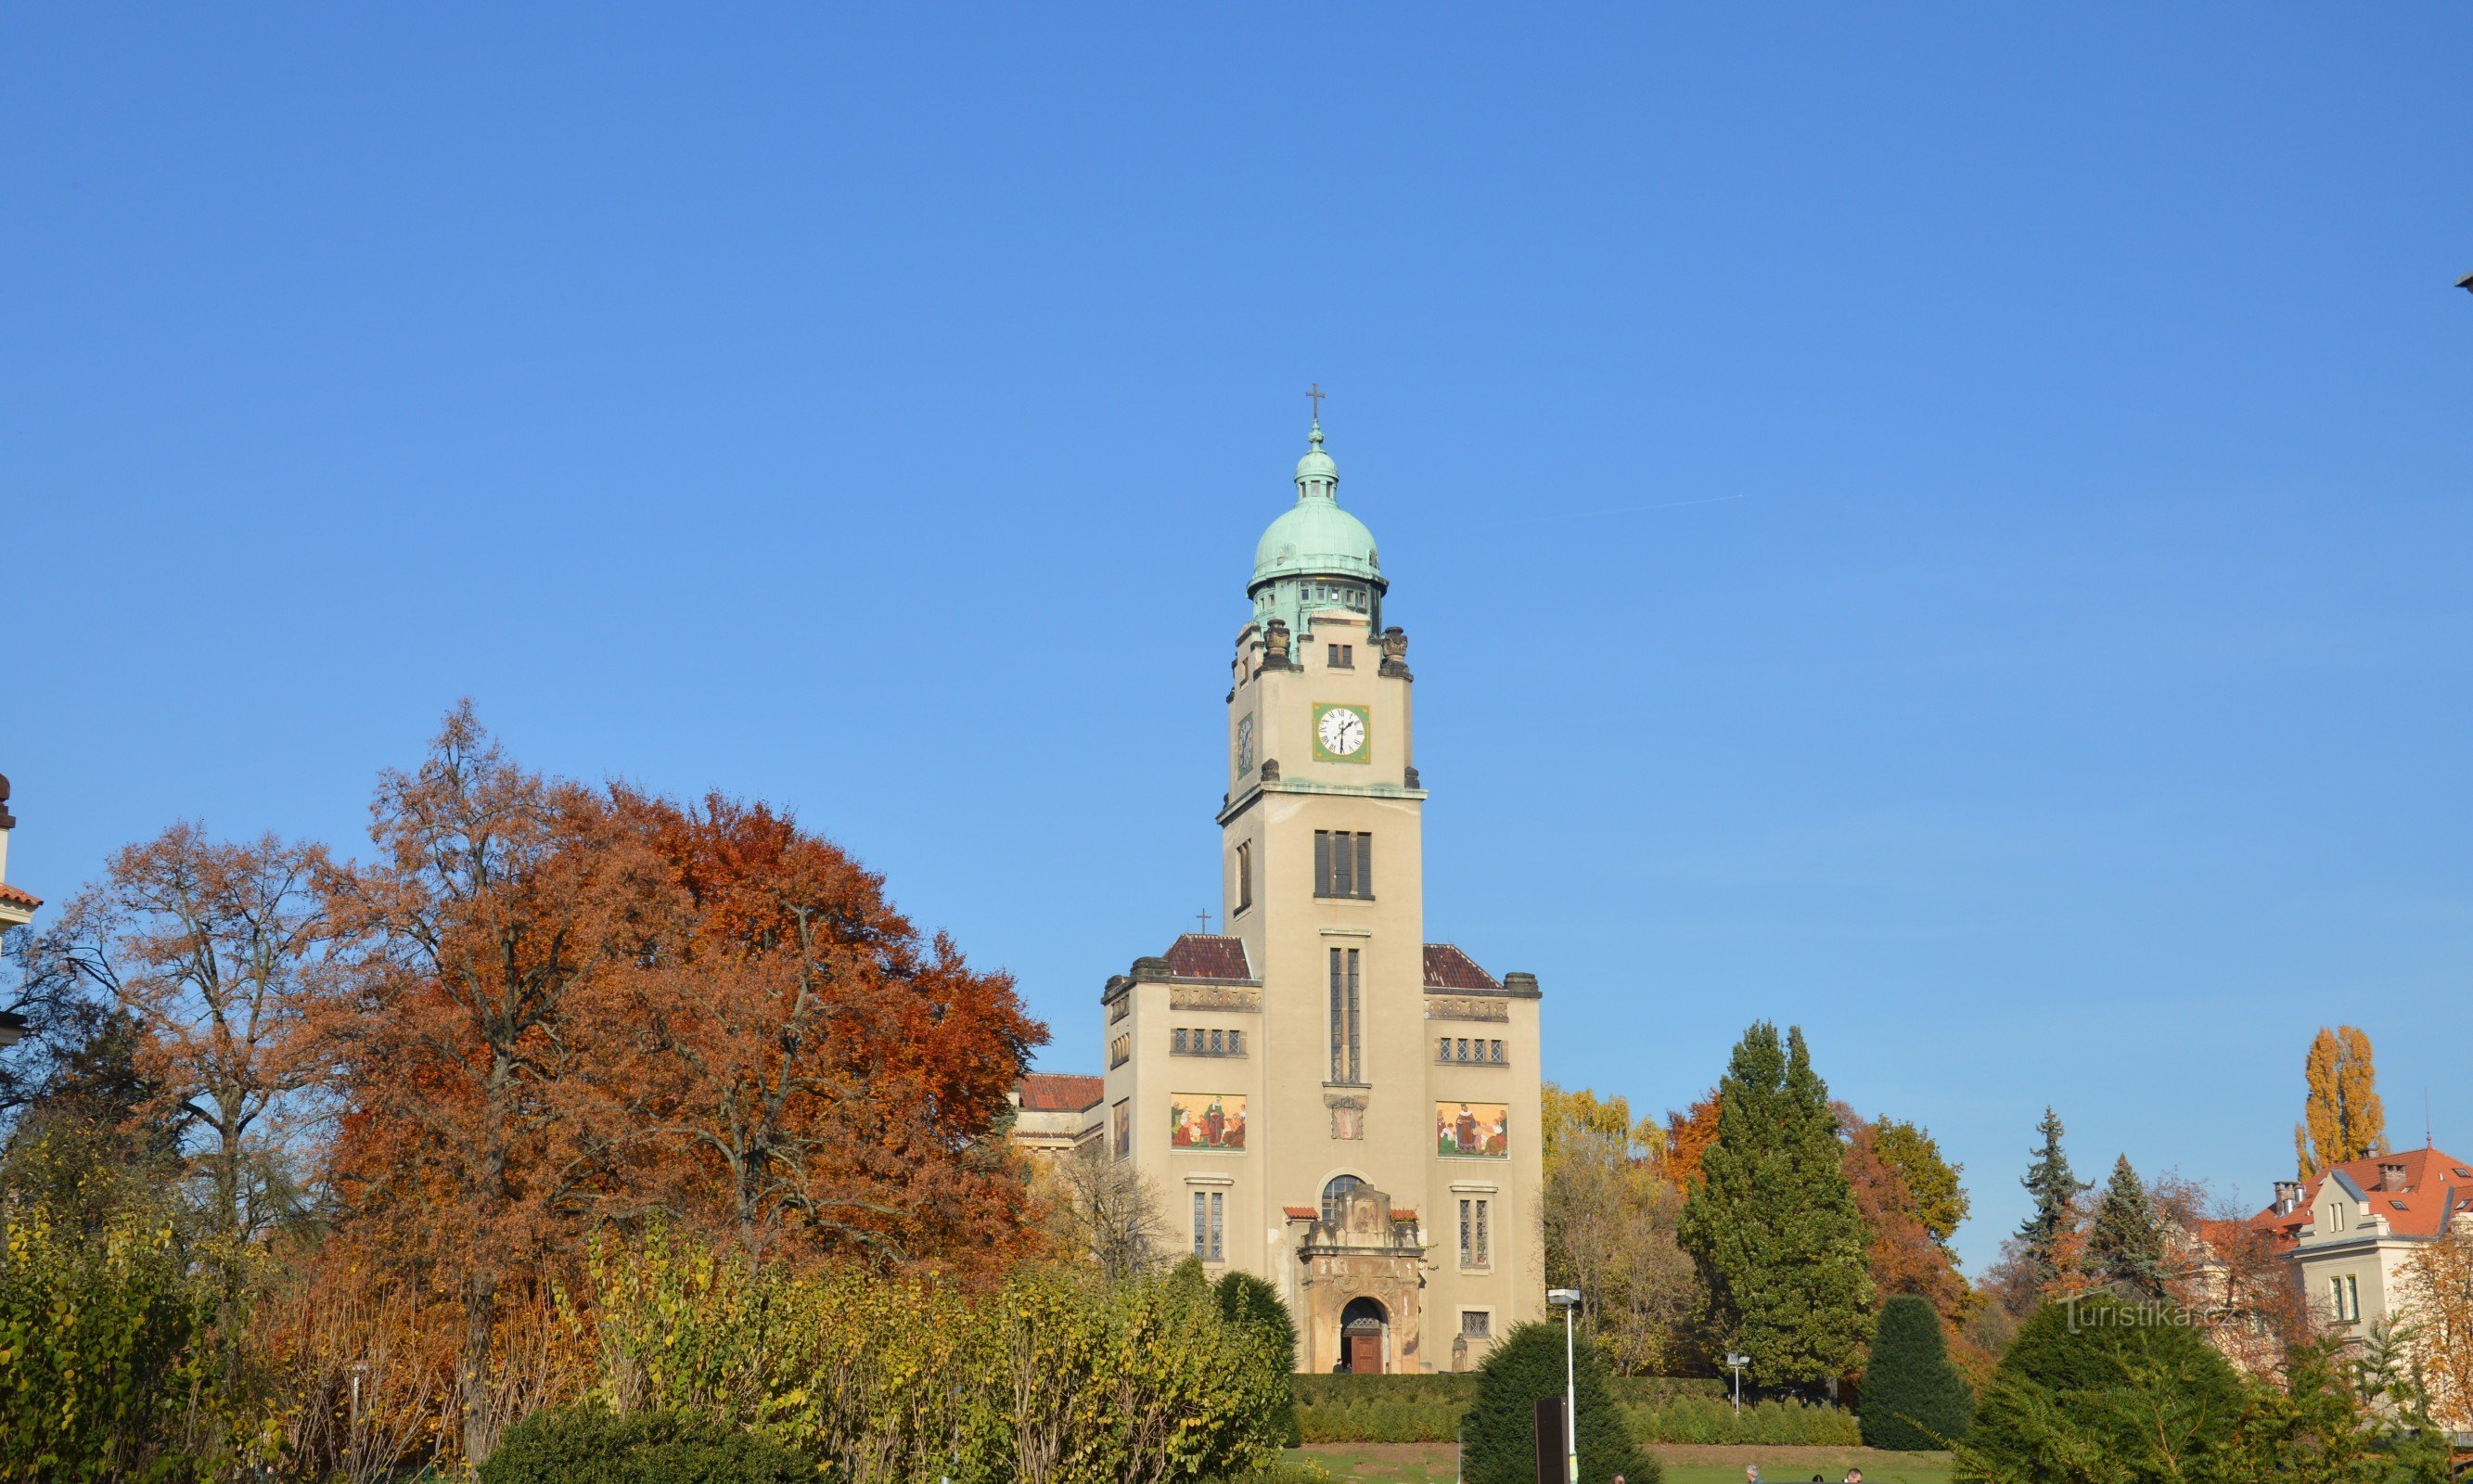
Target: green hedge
[(1660, 1408)]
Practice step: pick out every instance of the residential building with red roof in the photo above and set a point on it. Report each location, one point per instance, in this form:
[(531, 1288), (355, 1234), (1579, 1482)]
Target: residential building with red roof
[(16, 909), (2352, 1230)]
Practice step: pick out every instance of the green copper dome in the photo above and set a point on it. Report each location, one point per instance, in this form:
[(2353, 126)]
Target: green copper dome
[(1316, 557), (1315, 537)]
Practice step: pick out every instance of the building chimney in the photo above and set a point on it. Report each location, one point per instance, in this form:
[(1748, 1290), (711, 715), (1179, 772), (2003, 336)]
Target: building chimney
[(2288, 1196), (2390, 1174)]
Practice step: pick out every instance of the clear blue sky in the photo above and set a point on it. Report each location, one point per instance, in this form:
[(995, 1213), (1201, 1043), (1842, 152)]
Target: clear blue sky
[(1946, 527)]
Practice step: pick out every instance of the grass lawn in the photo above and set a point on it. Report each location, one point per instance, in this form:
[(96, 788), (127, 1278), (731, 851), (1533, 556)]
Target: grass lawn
[(1432, 1463)]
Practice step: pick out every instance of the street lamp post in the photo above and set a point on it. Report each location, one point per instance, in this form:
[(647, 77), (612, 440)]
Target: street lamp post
[(1568, 1300), (1736, 1364)]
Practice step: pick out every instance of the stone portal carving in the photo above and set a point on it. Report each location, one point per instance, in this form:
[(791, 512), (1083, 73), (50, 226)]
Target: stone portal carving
[(1362, 1283)]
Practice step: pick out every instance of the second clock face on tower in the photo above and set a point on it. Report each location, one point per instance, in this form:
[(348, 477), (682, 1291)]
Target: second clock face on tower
[(1341, 733)]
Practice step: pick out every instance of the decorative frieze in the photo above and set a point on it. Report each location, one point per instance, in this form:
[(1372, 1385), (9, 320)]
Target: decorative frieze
[(1215, 996), (1466, 1006)]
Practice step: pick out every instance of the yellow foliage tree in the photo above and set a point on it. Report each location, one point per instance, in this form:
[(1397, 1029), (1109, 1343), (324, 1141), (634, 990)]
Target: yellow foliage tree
[(2438, 1304), (1565, 1117), (2341, 1117)]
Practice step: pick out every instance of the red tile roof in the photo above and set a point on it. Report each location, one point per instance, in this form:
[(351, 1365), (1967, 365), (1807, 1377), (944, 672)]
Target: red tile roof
[(1303, 1213), (1207, 956), (1397, 1214), (1447, 967), (10, 893), (2446, 1180), (1060, 1093)]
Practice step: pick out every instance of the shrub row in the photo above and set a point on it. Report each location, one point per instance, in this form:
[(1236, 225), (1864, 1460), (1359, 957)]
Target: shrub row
[(1428, 1409), (1458, 1389)]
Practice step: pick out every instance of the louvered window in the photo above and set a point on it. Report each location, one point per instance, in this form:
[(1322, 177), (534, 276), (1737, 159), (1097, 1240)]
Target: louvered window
[(1343, 864)]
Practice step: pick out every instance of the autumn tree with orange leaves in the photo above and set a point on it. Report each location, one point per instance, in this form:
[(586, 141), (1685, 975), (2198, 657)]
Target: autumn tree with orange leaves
[(811, 1077), (569, 1009), (215, 953)]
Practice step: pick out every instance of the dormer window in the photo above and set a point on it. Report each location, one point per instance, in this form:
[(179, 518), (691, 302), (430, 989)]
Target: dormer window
[(2338, 1216)]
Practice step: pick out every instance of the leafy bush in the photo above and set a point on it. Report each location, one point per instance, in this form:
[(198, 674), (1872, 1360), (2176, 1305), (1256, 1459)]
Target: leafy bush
[(1052, 1375), (1912, 1397), (588, 1444), (102, 1368), (1527, 1365)]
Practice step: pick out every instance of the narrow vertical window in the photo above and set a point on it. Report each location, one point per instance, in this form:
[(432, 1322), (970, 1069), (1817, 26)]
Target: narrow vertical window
[(1218, 1230), (1443, 1049), (1498, 1053), (1322, 863), (1354, 1066), (1365, 866), (1338, 1019), (1343, 865), (1468, 1248), (1201, 1231), (1484, 1256), (2352, 1298), (1245, 877)]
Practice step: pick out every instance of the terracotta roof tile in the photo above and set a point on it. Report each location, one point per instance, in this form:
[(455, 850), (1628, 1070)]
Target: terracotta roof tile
[(1303, 1213), (2426, 1171), (1447, 967), (1207, 956), (1060, 1093), (10, 893), (1397, 1214)]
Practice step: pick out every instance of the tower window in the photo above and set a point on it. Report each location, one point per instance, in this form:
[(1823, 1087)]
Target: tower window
[(1346, 1033), (1244, 876), (1343, 657), (1343, 864)]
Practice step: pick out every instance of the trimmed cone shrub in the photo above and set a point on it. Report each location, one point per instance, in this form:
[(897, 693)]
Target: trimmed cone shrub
[(2091, 1382), (588, 1446), (1249, 1300), (1501, 1427), (1912, 1397)]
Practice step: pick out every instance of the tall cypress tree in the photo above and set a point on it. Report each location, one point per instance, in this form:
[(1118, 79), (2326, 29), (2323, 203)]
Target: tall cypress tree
[(2124, 1246), (2046, 1230), (1773, 1223)]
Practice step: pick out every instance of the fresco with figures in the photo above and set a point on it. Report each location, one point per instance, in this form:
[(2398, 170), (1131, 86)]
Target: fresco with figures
[(1205, 1120), (1479, 1129)]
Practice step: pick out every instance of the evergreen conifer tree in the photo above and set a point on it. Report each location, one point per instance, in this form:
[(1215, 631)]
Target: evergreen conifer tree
[(2124, 1248), (1773, 1223), (1912, 1397), (1500, 1432), (2047, 1230)]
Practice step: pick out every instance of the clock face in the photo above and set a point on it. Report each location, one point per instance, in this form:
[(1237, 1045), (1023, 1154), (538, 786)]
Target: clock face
[(1341, 735), (1245, 746)]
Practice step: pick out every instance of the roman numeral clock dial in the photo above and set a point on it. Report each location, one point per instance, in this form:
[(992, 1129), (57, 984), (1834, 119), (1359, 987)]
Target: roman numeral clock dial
[(1341, 734)]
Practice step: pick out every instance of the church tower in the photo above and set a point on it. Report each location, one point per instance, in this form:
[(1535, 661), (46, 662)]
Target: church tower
[(1319, 1095)]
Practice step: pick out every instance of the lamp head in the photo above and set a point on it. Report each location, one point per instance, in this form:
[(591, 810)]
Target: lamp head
[(1563, 1297)]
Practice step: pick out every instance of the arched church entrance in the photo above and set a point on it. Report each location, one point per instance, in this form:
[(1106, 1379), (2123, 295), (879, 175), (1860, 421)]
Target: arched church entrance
[(1364, 1328)]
